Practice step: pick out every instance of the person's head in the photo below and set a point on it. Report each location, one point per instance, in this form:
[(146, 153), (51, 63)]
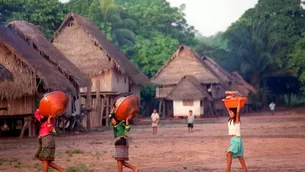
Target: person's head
[(190, 112), (232, 113), (155, 111)]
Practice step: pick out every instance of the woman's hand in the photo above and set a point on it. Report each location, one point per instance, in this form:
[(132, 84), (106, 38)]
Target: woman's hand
[(50, 117), (128, 118)]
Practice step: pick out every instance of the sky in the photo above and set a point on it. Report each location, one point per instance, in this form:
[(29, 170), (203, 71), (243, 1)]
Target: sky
[(212, 16)]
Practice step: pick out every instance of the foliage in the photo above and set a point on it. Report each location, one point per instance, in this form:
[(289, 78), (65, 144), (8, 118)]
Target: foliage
[(47, 14)]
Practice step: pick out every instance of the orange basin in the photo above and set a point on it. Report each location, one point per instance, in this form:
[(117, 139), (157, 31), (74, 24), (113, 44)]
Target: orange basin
[(53, 103), (233, 102)]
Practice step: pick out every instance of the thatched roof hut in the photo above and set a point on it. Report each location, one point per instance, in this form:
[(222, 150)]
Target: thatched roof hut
[(28, 66), (189, 88), (5, 74), (240, 80), (95, 63), (184, 62), (35, 38)]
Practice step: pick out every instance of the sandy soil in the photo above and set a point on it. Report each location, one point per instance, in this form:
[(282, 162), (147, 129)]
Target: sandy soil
[(272, 144)]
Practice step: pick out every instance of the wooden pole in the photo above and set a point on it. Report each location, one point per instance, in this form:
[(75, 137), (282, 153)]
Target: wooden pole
[(160, 107), (102, 110), (107, 109), (98, 97), (164, 108), (88, 105)]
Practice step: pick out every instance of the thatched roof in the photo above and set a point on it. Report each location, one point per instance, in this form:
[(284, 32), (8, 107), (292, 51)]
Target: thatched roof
[(240, 80), (122, 63), (185, 62), (5, 74), (189, 88), (25, 60), (35, 38)]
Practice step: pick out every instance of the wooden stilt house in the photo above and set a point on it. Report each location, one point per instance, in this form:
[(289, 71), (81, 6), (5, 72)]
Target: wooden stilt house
[(185, 62), (111, 72), (36, 39), (29, 73)]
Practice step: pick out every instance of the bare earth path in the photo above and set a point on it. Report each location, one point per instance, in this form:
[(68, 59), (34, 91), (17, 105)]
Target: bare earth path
[(272, 144)]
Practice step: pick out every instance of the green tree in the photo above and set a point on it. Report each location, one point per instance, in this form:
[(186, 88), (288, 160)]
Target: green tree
[(47, 14)]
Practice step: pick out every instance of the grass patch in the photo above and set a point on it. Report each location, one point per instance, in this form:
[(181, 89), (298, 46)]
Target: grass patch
[(78, 168), (96, 155), (2, 161), (74, 151)]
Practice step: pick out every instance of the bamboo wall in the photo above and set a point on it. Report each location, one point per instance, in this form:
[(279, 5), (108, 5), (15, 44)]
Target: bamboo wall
[(20, 106), (119, 82)]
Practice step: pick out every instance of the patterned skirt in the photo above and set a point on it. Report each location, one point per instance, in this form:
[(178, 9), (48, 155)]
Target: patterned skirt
[(46, 148), (121, 149), (236, 147)]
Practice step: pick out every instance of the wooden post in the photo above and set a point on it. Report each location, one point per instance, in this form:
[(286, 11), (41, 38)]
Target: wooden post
[(88, 105), (98, 97), (164, 108), (102, 110), (107, 109), (25, 125), (160, 107), (30, 126)]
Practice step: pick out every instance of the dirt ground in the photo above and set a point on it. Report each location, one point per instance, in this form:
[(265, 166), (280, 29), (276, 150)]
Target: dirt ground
[(272, 144)]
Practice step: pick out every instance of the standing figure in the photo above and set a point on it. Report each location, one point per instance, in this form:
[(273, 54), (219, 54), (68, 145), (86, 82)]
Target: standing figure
[(121, 128), (272, 107), (190, 121), (46, 149), (236, 149), (155, 119)]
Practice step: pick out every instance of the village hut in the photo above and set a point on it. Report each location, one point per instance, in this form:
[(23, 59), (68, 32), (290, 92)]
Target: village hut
[(111, 72), (189, 94), (30, 72), (35, 38), (184, 62)]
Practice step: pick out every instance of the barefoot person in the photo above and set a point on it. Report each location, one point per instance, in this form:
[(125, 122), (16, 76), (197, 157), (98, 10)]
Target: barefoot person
[(236, 149), (46, 149), (155, 119), (121, 128), (190, 121)]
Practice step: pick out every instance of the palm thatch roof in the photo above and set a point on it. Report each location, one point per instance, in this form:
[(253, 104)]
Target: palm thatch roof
[(240, 80), (189, 88), (27, 65), (99, 40), (186, 62), (35, 38), (5, 74)]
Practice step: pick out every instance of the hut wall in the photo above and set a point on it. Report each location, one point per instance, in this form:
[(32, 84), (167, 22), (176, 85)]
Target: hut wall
[(201, 107), (185, 64), (105, 82), (19, 106), (81, 50), (182, 109), (119, 82), (135, 90)]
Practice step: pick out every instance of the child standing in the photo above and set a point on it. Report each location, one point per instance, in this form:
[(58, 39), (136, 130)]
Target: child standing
[(155, 119), (272, 107), (236, 149), (46, 149), (190, 121), (121, 128)]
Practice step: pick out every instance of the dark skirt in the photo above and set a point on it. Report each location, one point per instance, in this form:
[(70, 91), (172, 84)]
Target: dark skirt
[(121, 149), (46, 148)]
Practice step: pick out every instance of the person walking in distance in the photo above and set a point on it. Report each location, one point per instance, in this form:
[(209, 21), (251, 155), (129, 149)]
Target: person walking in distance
[(155, 119), (272, 107)]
